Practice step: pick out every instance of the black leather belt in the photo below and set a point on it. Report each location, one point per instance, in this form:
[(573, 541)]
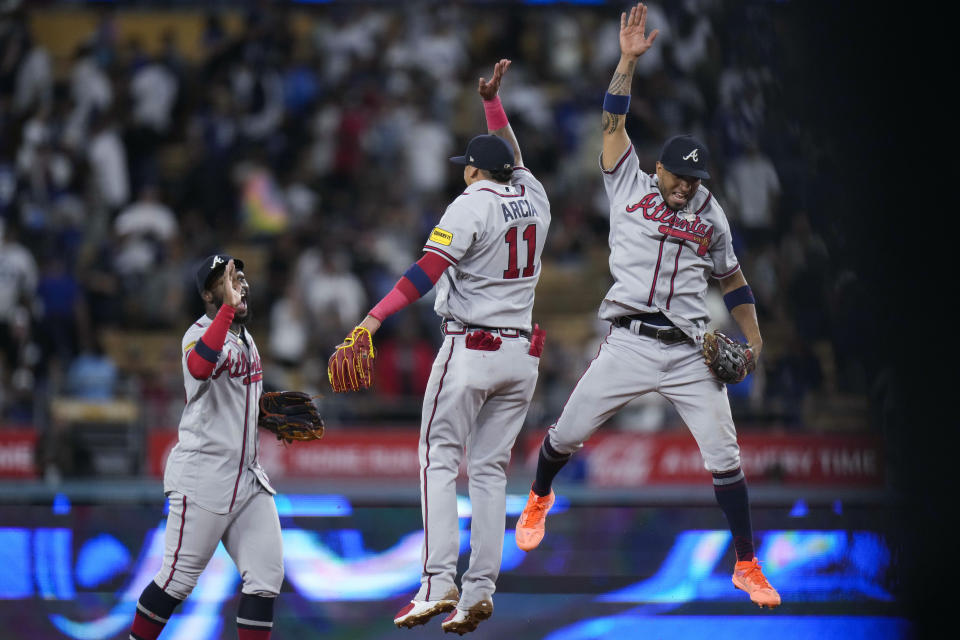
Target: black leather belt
[(666, 335), (459, 329)]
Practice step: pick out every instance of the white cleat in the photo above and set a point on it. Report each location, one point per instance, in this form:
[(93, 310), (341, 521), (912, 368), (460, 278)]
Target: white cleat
[(420, 611), (466, 620)]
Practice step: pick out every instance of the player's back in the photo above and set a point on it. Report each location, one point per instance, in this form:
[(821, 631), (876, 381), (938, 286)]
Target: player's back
[(493, 235)]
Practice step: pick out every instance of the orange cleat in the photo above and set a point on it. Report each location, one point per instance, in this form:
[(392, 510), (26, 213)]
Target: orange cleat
[(748, 577), (531, 525)]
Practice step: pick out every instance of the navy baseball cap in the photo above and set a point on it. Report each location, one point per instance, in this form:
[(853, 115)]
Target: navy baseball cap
[(211, 268), (487, 152), (684, 155)]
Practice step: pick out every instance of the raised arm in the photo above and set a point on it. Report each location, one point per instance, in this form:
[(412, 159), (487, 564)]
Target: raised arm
[(633, 44), (497, 123)]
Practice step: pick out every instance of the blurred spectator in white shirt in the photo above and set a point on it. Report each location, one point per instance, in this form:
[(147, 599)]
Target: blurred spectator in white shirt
[(753, 189), (153, 89), (333, 295), (108, 164), (428, 148), (18, 284)]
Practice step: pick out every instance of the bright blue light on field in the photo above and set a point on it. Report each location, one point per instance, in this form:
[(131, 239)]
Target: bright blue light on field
[(74, 567), (15, 558), (317, 573), (808, 566), (105, 627), (515, 505), (101, 559), (799, 509), (316, 506), (736, 627), (681, 576), (61, 504), (53, 563)]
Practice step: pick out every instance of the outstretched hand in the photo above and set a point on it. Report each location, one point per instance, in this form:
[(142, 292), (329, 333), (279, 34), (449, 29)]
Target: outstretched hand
[(489, 90), (231, 285), (633, 41)]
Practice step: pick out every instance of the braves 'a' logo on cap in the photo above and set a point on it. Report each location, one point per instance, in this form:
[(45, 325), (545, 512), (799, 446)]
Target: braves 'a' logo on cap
[(692, 156), (216, 260)]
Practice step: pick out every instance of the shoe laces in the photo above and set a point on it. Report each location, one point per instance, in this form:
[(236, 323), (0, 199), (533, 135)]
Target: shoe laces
[(536, 511), (754, 574)]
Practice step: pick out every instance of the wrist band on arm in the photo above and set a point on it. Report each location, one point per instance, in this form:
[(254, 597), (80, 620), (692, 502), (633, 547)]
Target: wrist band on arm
[(616, 104), (496, 117), (737, 297)]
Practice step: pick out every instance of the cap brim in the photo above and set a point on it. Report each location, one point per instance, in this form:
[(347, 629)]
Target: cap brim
[(459, 160), (687, 171)]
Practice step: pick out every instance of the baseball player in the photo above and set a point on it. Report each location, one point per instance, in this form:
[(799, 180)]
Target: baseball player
[(484, 258), (668, 235), (213, 480)]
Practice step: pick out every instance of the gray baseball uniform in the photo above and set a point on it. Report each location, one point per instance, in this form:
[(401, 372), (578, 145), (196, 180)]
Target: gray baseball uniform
[(660, 260), (668, 236), (213, 478), (492, 235)]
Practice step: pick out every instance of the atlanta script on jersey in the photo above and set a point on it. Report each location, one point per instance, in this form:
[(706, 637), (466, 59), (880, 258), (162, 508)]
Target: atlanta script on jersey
[(658, 256), (216, 462)]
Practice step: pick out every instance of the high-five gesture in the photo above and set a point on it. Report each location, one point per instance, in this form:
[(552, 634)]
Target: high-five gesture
[(497, 123), (231, 290), (489, 90), (633, 39)]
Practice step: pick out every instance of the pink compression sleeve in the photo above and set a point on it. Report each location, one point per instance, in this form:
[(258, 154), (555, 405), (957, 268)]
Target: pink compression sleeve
[(431, 266), (496, 117)]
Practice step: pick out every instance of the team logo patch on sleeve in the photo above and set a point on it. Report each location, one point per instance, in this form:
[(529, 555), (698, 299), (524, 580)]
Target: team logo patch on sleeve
[(440, 236)]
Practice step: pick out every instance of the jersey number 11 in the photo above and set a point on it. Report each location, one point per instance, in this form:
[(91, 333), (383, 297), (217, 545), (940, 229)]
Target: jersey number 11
[(530, 236)]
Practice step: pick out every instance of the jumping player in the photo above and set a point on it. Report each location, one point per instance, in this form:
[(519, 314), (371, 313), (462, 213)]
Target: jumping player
[(667, 236), (484, 257), (213, 480)]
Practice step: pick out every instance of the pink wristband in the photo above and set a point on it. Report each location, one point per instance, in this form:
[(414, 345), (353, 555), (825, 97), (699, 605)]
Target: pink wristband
[(496, 118)]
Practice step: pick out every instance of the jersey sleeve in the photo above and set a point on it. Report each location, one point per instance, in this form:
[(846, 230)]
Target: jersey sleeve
[(202, 347), (190, 340), (624, 178), (725, 261), (458, 228), (523, 176)]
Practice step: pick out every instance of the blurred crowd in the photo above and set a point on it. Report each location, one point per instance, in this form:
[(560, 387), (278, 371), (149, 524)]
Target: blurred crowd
[(313, 144)]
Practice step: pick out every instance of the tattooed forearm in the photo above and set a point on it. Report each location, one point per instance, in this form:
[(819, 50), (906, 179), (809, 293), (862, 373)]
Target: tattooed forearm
[(610, 122), (620, 85)]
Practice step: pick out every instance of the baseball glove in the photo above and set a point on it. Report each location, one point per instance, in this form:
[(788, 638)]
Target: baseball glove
[(729, 360), (290, 415), (350, 368)]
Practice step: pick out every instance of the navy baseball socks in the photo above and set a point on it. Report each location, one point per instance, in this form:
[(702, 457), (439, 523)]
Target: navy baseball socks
[(531, 526), (730, 488), (548, 466), (154, 609), (254, 617)]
